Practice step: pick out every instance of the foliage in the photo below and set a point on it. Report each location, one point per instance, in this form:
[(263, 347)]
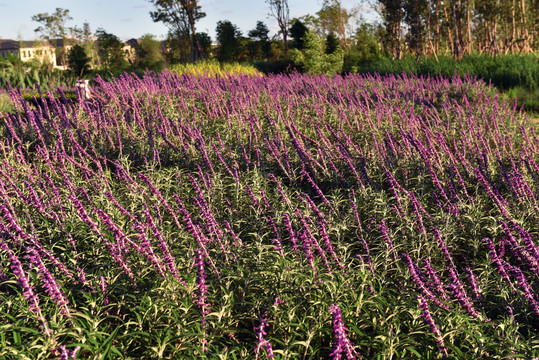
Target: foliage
[(110, 51), (503, 71), (292, 216), (228, 37), (280, 11), (458, 28), (214, 69), (276, 67), (334, 19), (78, 61), (181, 17), (5, 103), (365, 49), (297, 32), (53, 26), (332, 44), (314, 59), (148, 53), (21, 74), (260, 46)]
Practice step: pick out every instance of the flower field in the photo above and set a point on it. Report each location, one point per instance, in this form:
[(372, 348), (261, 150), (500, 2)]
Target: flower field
[(287, 217)]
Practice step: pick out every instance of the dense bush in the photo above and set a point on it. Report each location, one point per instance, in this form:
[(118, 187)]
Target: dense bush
[(26, 74), (503, 71), (214, 68)]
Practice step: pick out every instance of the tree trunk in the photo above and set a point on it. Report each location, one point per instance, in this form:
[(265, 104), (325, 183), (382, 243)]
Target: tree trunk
[(525, 48), (457, 51), (469, 47), (199, 51)]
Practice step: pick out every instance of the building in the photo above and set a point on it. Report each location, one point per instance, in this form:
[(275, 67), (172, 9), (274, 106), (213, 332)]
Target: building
[(47, 51), (42, 51)]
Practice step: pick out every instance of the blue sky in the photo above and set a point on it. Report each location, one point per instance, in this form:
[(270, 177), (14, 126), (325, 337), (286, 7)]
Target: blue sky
[(130, 18)]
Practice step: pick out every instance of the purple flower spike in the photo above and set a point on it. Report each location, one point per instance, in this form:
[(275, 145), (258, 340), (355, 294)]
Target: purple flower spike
[(260, 341), (423, 305), (342, 345)]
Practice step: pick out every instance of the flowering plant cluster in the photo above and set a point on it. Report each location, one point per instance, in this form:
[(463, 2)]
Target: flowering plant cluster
[(162, 216)]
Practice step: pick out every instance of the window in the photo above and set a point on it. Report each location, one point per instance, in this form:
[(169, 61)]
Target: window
[(24, 53)]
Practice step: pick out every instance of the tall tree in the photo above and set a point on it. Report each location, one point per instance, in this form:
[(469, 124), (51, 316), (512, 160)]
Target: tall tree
[(148, 53), (297, 32), (333, 18), (393, 15), (415, 17), (78, 61), (280, 11), (261, 45), (181, 17), (53, 26), (228, 36), (110, 51)]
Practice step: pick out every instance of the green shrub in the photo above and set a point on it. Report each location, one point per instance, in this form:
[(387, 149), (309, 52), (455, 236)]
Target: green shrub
[(503, 71), (313, 58)]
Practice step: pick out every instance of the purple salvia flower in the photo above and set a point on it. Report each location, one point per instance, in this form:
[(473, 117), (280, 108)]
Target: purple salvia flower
[(202, 300), (528, 291), (237, 240), (255, 201), (195, 231), (476, 291), (319, 192), (354, 210), (73, 244), (213, 230), (496, 198), (277, 240), (460, 294), (265, 201), (321, 216), (307, 248), (528, 241), (103, 289), (65, 354), (169, 259), (435, 279), (367, 253), (385, 235), (341, 345), (146, 249), (288, 225), (424, 306), (28, 290), (312, 240), (119, 236), (280, 189), (443, 247), (260, 341), (114, 250), (327, 241), (498, 263), (51, 286), (419, 283), (416, 206)]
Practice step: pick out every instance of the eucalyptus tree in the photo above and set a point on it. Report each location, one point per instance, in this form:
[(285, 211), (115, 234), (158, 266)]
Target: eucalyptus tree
[(280, 11), (181, 17), (53, 26)]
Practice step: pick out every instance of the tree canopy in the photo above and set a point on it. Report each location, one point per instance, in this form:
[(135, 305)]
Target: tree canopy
[(181, 17)]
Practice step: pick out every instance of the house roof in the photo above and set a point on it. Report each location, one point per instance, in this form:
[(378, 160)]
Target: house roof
[(8, 44)]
